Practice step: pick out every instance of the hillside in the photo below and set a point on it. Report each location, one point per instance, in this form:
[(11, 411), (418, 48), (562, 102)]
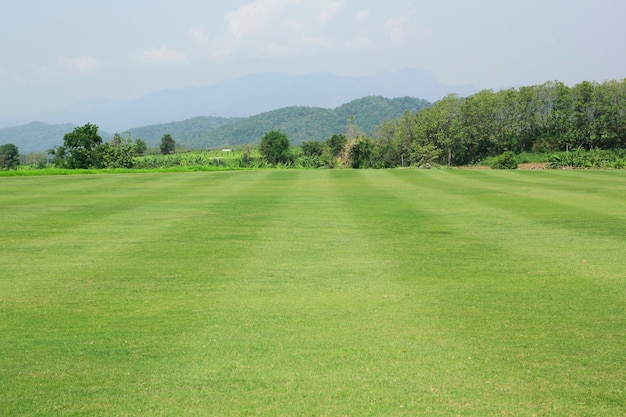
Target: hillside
[(298, 122), (187, 131), (35, 136)]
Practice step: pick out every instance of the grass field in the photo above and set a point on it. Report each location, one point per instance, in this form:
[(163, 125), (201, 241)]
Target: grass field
[(314, 293)]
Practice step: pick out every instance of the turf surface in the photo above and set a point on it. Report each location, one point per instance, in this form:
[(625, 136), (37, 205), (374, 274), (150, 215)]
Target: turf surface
[(314, 293)]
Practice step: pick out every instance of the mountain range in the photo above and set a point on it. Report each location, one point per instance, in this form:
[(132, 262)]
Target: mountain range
[(230, 108), (247, 96), (299, 123)]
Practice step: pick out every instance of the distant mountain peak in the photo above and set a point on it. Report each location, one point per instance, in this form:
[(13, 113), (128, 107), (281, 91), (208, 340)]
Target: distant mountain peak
[(253, 94)]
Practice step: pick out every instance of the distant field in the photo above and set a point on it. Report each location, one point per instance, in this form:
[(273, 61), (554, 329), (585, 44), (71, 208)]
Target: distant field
[(314, 293)]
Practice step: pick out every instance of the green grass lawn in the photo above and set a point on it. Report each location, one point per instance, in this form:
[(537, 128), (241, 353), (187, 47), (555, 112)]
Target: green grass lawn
[(314, 293)]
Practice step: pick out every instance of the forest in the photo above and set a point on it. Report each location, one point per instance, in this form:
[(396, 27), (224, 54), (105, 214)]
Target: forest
[(545, 118)]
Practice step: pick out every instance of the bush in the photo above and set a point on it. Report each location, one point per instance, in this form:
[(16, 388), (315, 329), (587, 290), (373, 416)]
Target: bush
[(505, 161), (585, 159), (274, 148)]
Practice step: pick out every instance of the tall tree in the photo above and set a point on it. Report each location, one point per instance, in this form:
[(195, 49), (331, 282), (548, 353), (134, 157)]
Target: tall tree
[(583, 112), (609, 101), (140, 147), (336, 144), (361, 153), (168, 144), (479, 118), (80, 148), (441, 125)]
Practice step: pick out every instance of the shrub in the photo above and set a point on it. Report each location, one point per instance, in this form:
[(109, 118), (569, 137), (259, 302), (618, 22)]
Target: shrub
[(505, 161)]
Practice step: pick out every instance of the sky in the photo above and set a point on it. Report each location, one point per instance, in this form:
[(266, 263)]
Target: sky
[(58, 52)]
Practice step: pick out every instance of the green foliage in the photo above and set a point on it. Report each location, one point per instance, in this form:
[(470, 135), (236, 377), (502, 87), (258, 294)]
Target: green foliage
[(216, 159), (274, 147), (369, 112), (315, 155), (313, 148), (119, 153), (336, 144), (581, 158), (9, 156), (168, 144), (140, 147), (192, 132), (425, 154), (299, 123), (80, 148), (361, 153), (505, 161), (541, 118)]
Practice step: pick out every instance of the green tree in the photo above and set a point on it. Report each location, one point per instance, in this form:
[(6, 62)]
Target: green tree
[(609, 102), (583, 113), (80, 148), (168, 144), (140, 147), (448, 131), (424, 154), (274, 147), (312, 148), (480, 126), (361, 153), (336, 144), (9, 156), (118, 153)]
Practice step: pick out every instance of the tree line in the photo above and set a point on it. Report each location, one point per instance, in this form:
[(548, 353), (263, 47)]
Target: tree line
[(543, 118), (84, 148), (459, 131), (454, 131)]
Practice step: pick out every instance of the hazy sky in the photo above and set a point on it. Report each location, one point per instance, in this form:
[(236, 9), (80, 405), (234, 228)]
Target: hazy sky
[(56, 52)]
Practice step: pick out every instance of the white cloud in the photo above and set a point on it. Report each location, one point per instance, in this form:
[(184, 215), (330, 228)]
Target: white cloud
[(163, 55), (250, 19), (266, 28), (403, 28), (330, 10)]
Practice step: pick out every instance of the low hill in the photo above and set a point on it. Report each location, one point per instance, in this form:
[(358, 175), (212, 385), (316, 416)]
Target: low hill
[(35, 136), (298, 122), (187, 132)]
